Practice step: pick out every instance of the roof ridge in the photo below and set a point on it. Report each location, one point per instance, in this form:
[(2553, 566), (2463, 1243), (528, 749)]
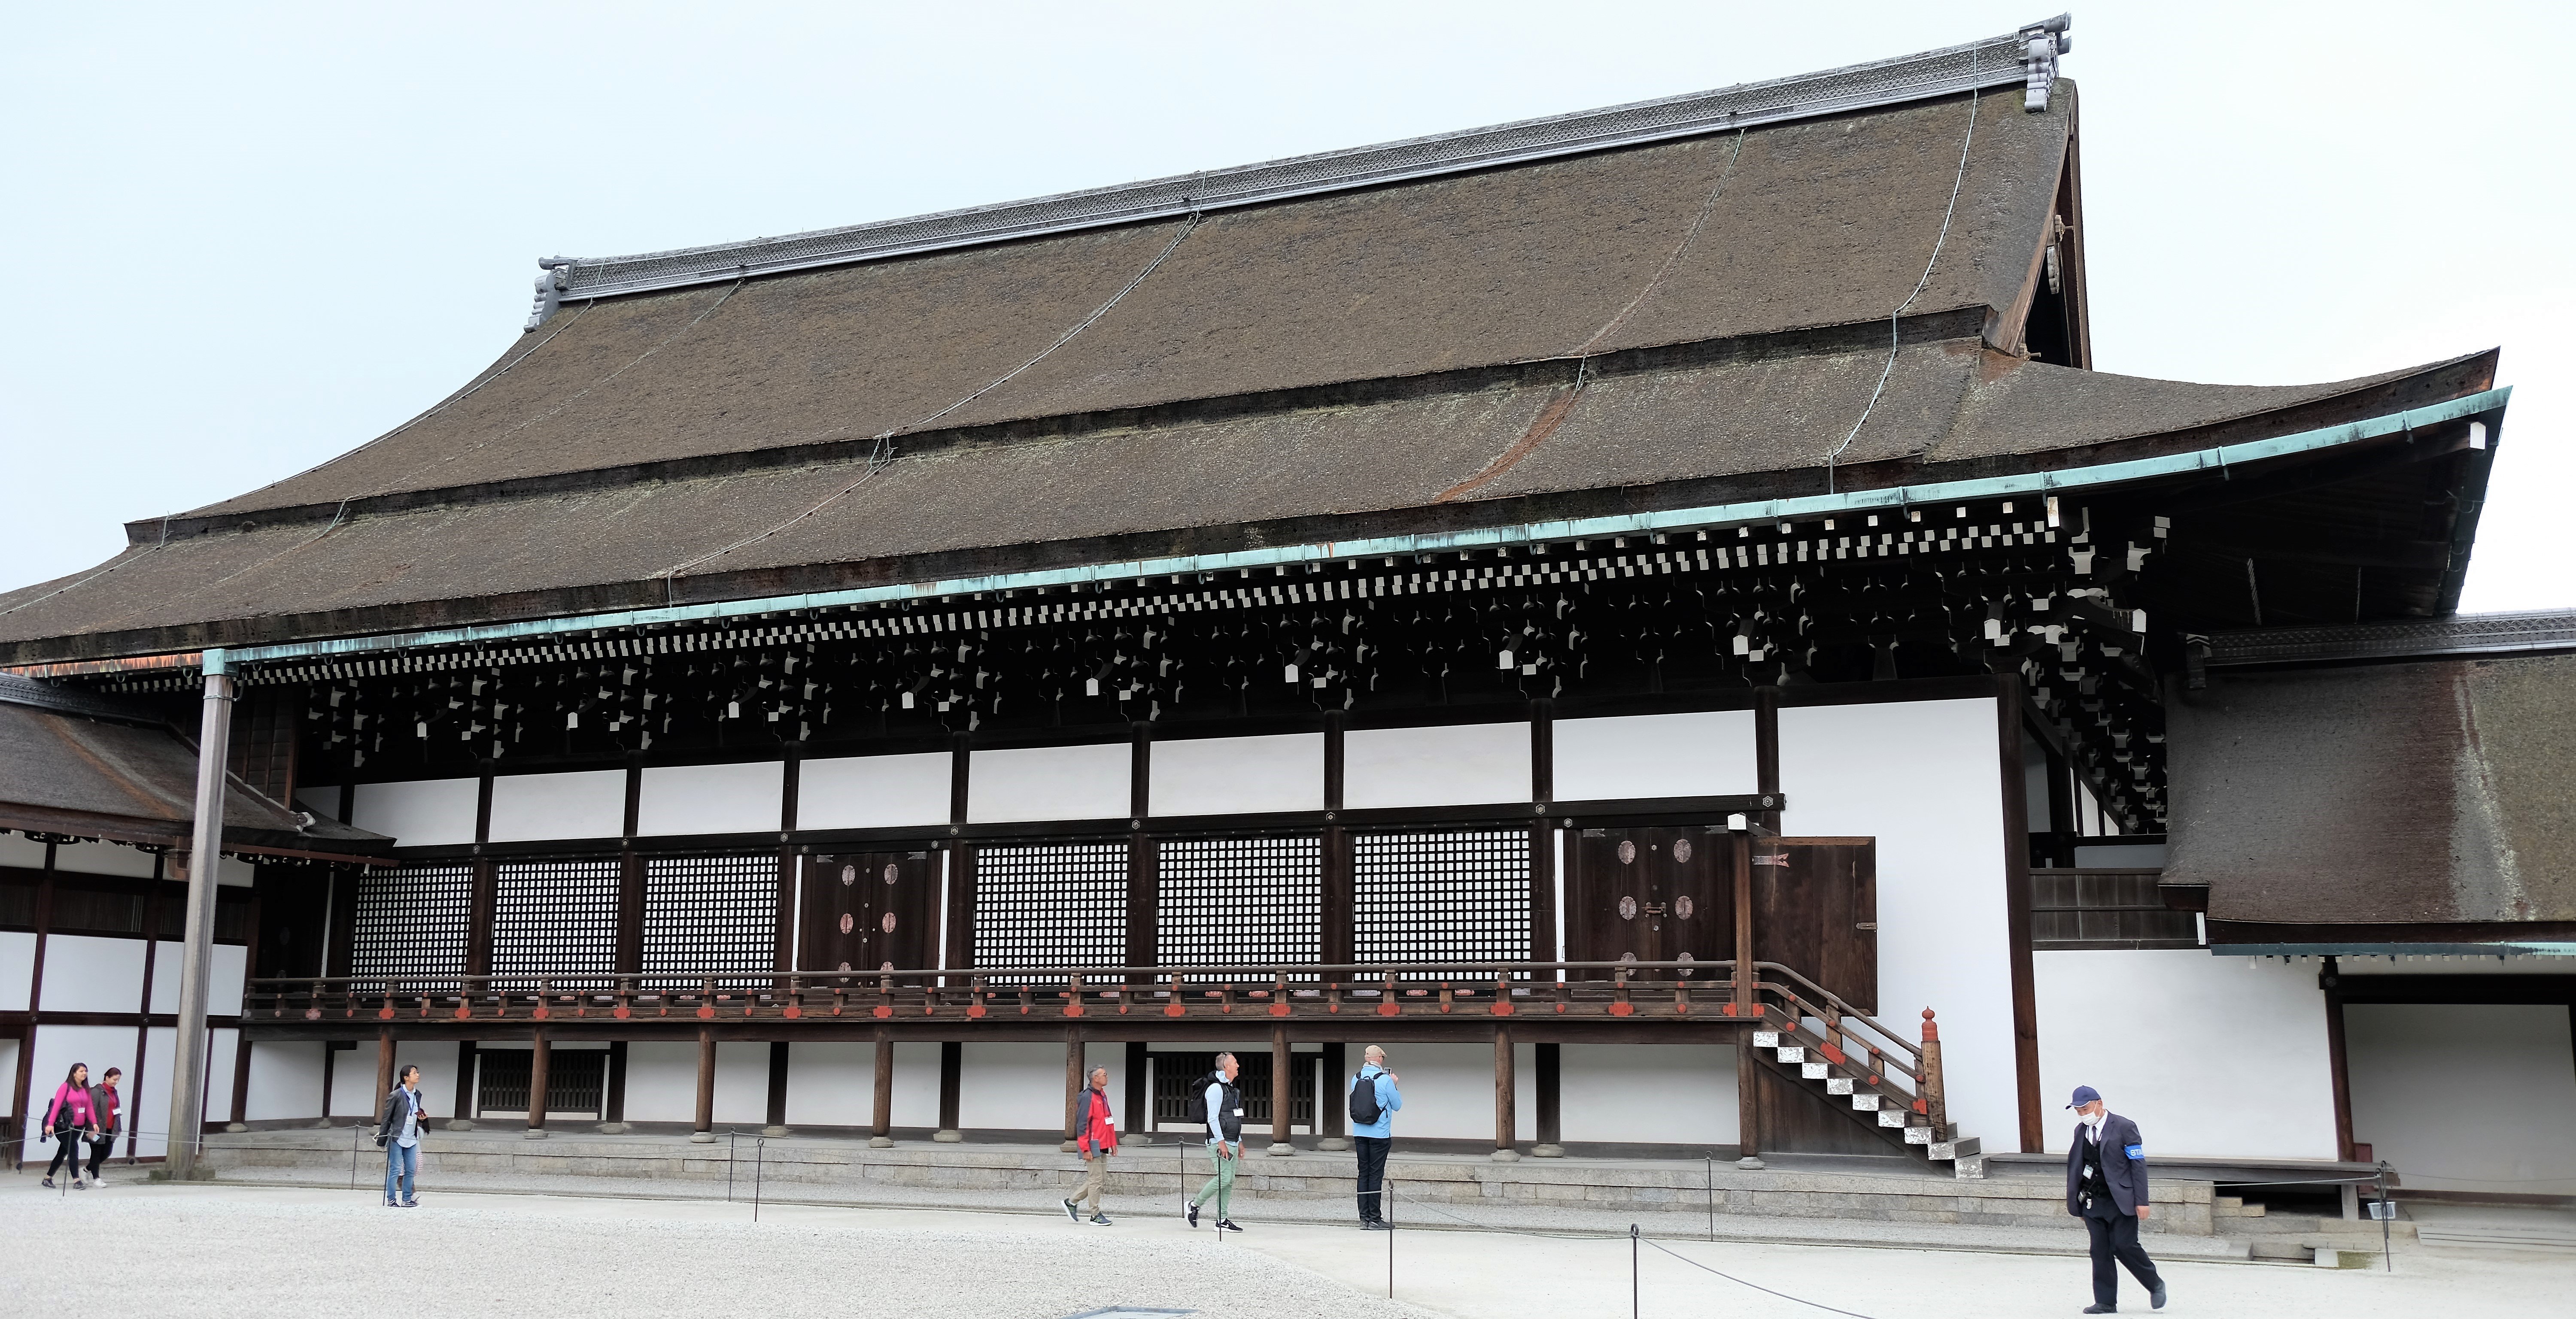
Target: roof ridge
[(2028, 56)]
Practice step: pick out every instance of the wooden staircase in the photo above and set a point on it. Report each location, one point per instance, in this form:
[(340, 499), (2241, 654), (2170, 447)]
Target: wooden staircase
[(1856, 1066)]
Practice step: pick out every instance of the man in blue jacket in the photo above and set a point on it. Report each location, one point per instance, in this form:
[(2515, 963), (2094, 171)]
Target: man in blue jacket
[(2106, 1186), (1373, 1131)]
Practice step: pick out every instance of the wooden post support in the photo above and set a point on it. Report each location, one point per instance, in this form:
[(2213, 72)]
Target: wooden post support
[(1551, 1128), (539, 1055), (384, 1068), (1506, 1098), (1072, 1084), (461, 1117), (952, 1073), (1766, 750), (612, 1100), (881, 1125), (1283, 1091), (1934, 1099), (705, 1134), (1140, 1098), (1335, 1101), (1748, 1091), (777, 1113)]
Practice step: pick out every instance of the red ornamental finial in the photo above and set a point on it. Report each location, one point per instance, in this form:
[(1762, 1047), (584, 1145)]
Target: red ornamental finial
[(1931, 1028)]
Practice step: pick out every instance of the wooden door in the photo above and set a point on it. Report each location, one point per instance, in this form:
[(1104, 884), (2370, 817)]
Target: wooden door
[(1649, 895), (870, 911), (1815, 911)]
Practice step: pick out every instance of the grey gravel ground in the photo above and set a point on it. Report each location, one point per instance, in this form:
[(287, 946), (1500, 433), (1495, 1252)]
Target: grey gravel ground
[(279, 1254)]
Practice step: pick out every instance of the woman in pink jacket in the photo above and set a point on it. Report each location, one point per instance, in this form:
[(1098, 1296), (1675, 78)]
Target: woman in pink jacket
[(69, 1118)]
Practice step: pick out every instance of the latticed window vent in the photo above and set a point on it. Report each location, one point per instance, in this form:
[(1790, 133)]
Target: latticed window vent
[(1049, 905), (1440, 897), (549, 917), (710, 913), (410, 923), (1240, 900)]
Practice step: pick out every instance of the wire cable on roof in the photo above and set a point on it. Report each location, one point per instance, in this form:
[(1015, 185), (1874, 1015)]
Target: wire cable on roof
[(1919, 285), (881, 453)]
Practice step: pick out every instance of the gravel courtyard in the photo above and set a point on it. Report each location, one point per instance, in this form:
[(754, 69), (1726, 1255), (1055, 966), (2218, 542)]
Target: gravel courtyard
[(285, 1253)]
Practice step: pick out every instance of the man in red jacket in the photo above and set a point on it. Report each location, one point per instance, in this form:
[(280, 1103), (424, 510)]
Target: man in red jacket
[(1096, 1134)]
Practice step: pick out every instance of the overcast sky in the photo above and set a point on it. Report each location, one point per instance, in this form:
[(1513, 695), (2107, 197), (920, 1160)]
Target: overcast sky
[(250, 237)]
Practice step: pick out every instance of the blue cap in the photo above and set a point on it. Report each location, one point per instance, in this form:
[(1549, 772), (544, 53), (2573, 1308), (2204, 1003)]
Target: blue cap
[(2084, 1094)]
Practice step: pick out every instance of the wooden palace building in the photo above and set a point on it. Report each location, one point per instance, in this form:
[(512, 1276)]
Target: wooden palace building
[(1653, 611)]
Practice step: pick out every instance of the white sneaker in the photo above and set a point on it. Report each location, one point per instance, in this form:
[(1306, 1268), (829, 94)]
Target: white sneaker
[(98, 1181)]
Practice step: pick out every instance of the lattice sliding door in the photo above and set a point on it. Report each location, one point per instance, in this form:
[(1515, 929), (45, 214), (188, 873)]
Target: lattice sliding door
[(1459, 896), (551, 917), (410, 923), (710, 913), (1051, 905), (1239, 901)]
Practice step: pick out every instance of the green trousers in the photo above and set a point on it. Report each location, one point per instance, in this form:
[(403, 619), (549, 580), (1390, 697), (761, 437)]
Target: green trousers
[(1220, 1188)]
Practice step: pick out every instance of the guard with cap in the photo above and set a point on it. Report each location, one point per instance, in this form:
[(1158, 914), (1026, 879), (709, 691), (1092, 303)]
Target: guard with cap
[(2106, 1186)]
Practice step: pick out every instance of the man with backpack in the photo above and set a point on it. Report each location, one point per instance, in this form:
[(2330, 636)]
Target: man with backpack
[(1218, 1103), (1374, 1099)]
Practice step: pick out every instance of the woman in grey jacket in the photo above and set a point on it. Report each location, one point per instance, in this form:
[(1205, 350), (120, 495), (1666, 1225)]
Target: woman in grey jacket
[(398, 1135)]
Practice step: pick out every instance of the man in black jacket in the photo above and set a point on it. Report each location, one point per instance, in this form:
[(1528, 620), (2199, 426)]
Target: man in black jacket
[(2106, 1186)]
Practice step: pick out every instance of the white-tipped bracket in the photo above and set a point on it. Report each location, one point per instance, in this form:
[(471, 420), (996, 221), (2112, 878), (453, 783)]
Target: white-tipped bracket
[(553, 277), (2041, 44)]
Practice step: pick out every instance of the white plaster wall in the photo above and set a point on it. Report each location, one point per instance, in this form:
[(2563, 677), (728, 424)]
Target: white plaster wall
[(662, 1083), (712, 799), (2466, 1096), (9, 1060), (422, 813), (150, 1103), (223, 978), (1227, 775), (1012, 1087), (353, 1081), (436, 1060), (20, 850), (102, 859), (1456, 765), (17, 969), (1050, 783), (285, 1080), (1449, 1090), (588, 803), (1706, 754), (85, 973), (834, 1085), (2217, 1057), (874, 792), (56, 1049), (1665, 1094), (1923, 778)]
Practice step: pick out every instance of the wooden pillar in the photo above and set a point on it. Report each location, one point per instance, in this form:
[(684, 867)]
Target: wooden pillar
[(384, 1068), (1073, 1080), (1551, 1126), (2331, 980), (881, 1120), (952, 1073), (705, 1134), (777, 1110), (330, 1064), (1506, 1098), (1283, 1091), (612, 1103), (540, 1060), (1766, 749), (1748, 1089), (1140, 1094), (2015, 784), (461, 1117), (1335, 1101)]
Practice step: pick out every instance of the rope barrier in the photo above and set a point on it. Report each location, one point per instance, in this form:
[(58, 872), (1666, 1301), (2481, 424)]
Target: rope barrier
[(1853, 1314)]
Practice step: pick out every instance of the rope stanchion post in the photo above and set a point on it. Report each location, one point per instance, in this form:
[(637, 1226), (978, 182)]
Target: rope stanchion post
[(1633, 1238), (2384, 1211), (354, 1129), (1386, 1210), (759, 1159)]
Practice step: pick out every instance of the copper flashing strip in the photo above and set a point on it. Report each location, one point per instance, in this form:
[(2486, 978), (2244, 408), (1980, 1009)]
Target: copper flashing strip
[(2008, 60)]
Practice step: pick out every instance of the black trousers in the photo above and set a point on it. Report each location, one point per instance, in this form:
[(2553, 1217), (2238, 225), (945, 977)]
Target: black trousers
[(1372, 1152), (2115, 1237), (66, 1150), (98, 1152)]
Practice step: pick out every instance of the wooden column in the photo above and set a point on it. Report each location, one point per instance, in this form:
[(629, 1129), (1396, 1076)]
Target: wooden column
[(1140, 1096), (384, 1067), (2017, 919), (952, 1074), (540, 1059), (1506, 1097), (612, 1103), (881, 1121), (461, 1117), (1335, 1101), (1748, 1090), (777, 1111), (1551, 1127), (1283, 1091), (1766, 749), (705, 1134), (2331, 980), (1073, 1080)]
